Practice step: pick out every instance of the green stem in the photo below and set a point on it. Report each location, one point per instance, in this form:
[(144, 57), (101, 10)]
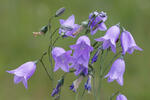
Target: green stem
[(77, 94), (113, 95), (100, 76), (45, 69)]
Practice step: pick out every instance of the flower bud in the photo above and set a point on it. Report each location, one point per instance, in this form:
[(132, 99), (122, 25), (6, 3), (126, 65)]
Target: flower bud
[(59, 12)]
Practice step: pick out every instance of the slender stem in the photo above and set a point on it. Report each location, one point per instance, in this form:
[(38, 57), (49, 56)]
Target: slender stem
[(77, 94), (82, 94), (45, 69), (100, 76), (113, 95), (94, 88)]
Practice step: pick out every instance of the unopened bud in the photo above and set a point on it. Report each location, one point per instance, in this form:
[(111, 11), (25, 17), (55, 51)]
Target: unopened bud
[(59, 12), (44, 29)]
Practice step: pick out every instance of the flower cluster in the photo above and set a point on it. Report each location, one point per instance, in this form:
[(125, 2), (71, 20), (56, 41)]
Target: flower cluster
[(77, 59)]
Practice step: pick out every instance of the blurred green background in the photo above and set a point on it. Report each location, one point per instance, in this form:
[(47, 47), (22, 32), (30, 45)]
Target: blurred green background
[(19, 18)]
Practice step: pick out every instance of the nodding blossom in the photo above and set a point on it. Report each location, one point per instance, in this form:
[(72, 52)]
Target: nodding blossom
[(62, 59), (68, 27), (116, 72), (128, 43), (81, 54), (121, 97), (110, 38), (23, 73), (96, 22)]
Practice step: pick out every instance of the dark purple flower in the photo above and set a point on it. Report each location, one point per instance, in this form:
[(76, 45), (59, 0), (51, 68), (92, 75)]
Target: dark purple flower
[(76, 83), (110, 38), (96, 21), (116, 72), (127, 43), (62, 58), (68, 27), (88, 84), (81, 54), (121, 97), (58, 86), (23, 73)]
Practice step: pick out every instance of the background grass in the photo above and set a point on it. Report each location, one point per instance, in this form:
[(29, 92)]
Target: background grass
[(19, 18)]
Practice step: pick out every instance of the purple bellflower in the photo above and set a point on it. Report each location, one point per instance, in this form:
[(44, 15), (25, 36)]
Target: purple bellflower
[(68, 27), (62, 59), (88, 84), (121, 97), (127, 43), (81, 54), (96, 22), (110, 38), (116, 72), (23, 73)]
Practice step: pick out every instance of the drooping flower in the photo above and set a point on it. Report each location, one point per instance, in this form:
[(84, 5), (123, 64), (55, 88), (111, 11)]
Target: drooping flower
[(88, 84), (116, 72), (96, 21), (110, 38), (76, 83), (68, 27), (23, 73), (128, 43), (81, 54), (62, 58), (121, 97)]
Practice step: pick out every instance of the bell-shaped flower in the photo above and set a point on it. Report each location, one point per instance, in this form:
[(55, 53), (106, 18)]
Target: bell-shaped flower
[(62, 58), (81, 54), (96, 21), (110, 38), (23, 73), (116, 72), (82, 50), (128, 43), (121, 97), (68, 27)]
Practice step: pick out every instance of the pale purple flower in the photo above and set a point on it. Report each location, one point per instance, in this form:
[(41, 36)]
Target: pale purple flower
[(62, 58), (68, 27), (127, 43), (23, 73), (110, 38), (116, 72), (81, 54), (96, 21), (121, 97)]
